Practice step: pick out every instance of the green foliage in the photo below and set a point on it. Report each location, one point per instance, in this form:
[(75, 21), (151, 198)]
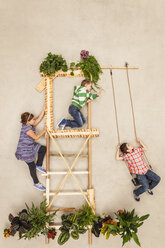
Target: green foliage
[(52, 63), (76, 223), (126, 226), (38, 218), (90, 68), (63, 237)]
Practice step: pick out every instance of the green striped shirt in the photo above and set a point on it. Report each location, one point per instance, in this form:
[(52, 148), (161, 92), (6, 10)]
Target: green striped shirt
[(81, 95)]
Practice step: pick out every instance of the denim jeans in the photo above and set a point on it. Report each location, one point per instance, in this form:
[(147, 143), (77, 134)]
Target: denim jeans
[(145, 185), (79, 119)]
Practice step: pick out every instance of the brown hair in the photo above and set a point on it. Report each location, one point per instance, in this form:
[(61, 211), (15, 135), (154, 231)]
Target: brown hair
[(123, 148), (26, 117), (85, 81)]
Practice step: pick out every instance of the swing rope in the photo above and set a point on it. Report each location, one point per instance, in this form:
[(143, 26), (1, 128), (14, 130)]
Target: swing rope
[(132, 108), (114, 101), (116, 117), (133, 113)]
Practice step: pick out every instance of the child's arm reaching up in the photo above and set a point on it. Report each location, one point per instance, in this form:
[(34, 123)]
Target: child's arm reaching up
[(94, 96), (141, 143), (39, 118), (118, 153)]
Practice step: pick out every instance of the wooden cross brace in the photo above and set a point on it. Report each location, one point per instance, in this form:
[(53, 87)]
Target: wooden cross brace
[(69, 170)]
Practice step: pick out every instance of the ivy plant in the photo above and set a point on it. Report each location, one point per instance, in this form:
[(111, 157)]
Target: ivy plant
[(89, 66)]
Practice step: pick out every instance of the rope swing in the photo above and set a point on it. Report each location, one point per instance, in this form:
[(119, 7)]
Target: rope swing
[(132, 110)]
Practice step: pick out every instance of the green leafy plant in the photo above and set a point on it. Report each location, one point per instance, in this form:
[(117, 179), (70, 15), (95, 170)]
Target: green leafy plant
[(96, 229), (38, 219), (75, 224), (53, 63), (90, 67), (126, 226)]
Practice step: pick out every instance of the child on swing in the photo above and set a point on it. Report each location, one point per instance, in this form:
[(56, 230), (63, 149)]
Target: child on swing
[(81, 96), (28, 149), (136, 164)]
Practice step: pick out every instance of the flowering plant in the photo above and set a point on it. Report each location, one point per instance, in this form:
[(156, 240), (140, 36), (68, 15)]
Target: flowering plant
[(52, 233), (84, 54), (7, 232), (89, 66)]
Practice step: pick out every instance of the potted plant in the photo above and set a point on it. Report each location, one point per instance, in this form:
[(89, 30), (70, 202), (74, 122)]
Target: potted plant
[(31, 222), (53, 63), (126, 226), (76, 223), (89, 66)]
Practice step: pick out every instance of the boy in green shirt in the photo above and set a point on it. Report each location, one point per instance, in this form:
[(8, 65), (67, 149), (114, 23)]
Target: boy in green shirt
[(82, 95)]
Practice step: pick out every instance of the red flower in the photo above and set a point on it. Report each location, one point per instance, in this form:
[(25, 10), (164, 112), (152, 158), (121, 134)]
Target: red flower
[(120, 211)]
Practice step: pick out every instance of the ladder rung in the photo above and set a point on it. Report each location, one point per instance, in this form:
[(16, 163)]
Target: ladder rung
[(69, 155), (64, 209), (67, 193), (55, 226), (64, 173)]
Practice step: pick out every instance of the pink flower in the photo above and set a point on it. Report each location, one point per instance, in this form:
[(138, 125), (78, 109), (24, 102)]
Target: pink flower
[(84, 54)]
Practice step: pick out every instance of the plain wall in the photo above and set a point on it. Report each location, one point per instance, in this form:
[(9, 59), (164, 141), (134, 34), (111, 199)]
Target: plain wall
[(114, 32)]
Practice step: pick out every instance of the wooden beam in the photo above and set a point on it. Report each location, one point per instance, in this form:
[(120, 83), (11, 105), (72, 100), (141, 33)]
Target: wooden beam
[(64, 173), (68, 193), (77, 73), (47, 153), (65, 209), (69, 155), (89, 166), (74, 133)]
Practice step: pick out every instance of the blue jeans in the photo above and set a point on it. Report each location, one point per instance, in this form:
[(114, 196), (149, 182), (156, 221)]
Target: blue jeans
[(79, 119), (145, 185)]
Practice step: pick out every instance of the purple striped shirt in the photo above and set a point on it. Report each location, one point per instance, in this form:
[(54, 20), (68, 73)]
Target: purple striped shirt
[(27, 148)]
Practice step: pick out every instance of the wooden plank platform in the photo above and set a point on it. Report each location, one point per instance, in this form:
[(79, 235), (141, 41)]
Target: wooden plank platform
[(72, 133)]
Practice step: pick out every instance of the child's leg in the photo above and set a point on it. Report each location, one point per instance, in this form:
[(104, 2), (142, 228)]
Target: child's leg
[(155, 179), (77, 116), (41, 154), (83, 118), (144, 185), (32, 168)]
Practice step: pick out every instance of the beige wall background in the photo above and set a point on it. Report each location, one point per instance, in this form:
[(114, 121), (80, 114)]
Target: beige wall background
[(114, 32)]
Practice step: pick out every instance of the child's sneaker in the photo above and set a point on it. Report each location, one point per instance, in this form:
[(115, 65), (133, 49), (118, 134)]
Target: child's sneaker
[(150, 192), (137, 198), (39, 168), (62, 124), (39, 186)]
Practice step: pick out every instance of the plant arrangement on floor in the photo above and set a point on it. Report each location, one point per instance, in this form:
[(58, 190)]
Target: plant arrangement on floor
[(76, 223), (32, 222), (126, 226), (88, 64)]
